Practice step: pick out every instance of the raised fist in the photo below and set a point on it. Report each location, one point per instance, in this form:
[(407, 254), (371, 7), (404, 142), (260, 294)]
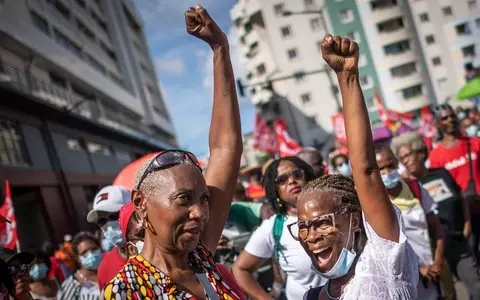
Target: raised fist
[(341, 54), (200, 24)]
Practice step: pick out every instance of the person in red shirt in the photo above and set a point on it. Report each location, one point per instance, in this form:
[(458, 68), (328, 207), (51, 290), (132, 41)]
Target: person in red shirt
[(105, 214), (452, 154), (255, 188)]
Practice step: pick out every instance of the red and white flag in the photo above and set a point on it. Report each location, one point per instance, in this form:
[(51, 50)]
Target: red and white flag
[(6, 210), (427, 123), (263, 138), (286, 145), (339, 128), (390, 117)]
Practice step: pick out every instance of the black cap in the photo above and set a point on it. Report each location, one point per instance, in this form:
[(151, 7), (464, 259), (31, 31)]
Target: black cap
[(8, 255)]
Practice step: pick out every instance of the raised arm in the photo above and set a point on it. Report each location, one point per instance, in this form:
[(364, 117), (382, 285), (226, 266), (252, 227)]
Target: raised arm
[(342, 56), (225, 139)]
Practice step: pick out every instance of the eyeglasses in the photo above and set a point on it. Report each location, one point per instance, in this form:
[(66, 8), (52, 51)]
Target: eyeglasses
[(21, 268), (297, 174), (323, 225), (168, 159)]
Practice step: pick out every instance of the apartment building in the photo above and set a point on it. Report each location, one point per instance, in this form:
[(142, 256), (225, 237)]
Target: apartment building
[(80, 100)]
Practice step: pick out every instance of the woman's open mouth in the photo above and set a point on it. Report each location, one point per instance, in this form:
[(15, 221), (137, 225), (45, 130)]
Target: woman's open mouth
[(323, 256)]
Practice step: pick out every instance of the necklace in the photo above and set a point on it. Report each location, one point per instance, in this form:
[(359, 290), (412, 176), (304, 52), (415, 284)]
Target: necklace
[(328, 292)]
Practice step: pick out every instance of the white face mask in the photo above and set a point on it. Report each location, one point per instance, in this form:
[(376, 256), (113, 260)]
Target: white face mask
[(139, 246)]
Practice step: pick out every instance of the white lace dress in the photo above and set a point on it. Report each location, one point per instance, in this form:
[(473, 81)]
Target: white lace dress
[(385, 269)]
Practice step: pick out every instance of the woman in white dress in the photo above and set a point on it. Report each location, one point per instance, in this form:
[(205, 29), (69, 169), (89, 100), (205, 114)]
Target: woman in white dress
[(350, 229)]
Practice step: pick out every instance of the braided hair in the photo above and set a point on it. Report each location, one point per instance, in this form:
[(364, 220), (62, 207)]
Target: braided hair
[(271, 173), (345, 201)]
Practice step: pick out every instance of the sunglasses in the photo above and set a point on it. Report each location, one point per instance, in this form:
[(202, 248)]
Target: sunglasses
[(21, 268), (323, 225), (297, 174), (168, 159), (104, 220)]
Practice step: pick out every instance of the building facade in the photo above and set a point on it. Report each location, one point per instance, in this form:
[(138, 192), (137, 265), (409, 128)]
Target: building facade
[(80, 100)]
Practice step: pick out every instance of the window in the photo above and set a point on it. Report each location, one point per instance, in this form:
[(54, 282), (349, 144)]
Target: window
[(472, 4), (463, 29), (286, 31), (95, 64), (346, 15), (404, 70), (365, 82), (447, 11), (279, 8), (306, 98), (253, 91), (261, 69), (299, 76), (390, 25), (13, 151), (61, 8), (123, 155), (442, 81), (354, 36), (109, 52), (477, 23), (40, 23), (424, 18), (311, 122), (309, 2), (99, 21), (430, 39), (74, 144), (362, 60), (249, 75), (436, 61), (84, 29), (469, 51), (61, 39), (315, 24), (98, 148), (397, 48), (411, 92), (292, 53), (81, 3), (382, 4)]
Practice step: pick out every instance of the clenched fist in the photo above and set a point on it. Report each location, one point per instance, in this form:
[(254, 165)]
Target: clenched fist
[(200, 24), (341, 54)]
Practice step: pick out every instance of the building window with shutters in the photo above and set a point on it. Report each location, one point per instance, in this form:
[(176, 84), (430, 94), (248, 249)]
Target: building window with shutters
[(13, 151)]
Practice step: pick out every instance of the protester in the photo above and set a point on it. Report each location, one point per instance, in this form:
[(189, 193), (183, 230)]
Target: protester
[(283, 181), (57, 270), (65, 253), (459, 155), (314, 158), (41, 286), (452, 210), (18, 267), (7, 285), (132, 230), (418, 215), (363, 258), (470, 127), (105, 213), (254, 189), (83, 284), (182, 211), (341, 164)]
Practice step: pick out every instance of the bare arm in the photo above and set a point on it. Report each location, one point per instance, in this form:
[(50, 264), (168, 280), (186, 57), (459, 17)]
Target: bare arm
[(243, 269), (225, 137), (436, 229), (342, 56)]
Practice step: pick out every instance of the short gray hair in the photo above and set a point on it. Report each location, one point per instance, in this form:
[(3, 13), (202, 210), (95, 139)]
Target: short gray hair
[(410, 139)]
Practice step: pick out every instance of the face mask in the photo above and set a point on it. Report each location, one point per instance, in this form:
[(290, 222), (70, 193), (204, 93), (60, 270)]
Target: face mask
[(461, 115), (91, 260), (139, 246), (113, 233), (344, 261), (345, 169), (106, 245), (391, 179), (39, 272), (471, 130)]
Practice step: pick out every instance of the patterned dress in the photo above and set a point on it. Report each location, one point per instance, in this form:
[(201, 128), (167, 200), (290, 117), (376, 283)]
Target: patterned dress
[(139, 279)]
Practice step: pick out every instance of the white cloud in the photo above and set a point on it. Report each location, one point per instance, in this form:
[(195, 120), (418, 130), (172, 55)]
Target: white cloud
[(174, 66)]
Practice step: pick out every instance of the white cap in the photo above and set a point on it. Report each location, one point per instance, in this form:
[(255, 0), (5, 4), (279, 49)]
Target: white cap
[(109, 199)]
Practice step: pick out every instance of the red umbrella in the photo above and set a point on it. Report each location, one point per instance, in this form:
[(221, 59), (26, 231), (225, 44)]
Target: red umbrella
[(127, 175)]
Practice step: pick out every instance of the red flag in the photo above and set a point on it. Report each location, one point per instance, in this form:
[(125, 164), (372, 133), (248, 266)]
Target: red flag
[(390, 117), (339, 128), (427, 123), (263, 138), (286, 145), (6, 210)]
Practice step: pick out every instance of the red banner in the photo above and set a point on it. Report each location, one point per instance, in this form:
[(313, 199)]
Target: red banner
[(286, 145), (338, 122), (263, 138), (6, 210)]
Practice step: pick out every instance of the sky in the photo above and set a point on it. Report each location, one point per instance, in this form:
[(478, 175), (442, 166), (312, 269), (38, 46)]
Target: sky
[(185, 69)]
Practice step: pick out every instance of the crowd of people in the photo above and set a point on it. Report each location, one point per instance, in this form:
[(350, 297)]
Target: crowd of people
[(395, 220)]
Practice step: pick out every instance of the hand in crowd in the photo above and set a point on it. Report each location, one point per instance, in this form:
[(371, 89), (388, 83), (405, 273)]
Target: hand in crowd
[(223, 244), (467, 230), (201, 25), (341, 54), (430, 272)]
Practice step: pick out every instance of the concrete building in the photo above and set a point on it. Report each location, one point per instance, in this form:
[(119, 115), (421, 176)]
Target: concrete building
[(80, 100)]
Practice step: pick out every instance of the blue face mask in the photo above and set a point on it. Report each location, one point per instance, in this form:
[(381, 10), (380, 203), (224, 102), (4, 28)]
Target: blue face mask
[(91, 260), (461, 115), (38, 272), (344, 261), (471, 130), (391, 179), (345, 169), (113, 233), (106, 245)]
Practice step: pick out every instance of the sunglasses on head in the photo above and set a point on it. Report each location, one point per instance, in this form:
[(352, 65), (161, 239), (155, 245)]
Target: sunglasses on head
[(295, 174), (20, 268), (168, 159)]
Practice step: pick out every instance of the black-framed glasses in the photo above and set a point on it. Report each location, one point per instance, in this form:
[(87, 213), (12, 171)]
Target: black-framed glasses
[(168, 159), (297, 174), (19, 268), (323, 225)]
